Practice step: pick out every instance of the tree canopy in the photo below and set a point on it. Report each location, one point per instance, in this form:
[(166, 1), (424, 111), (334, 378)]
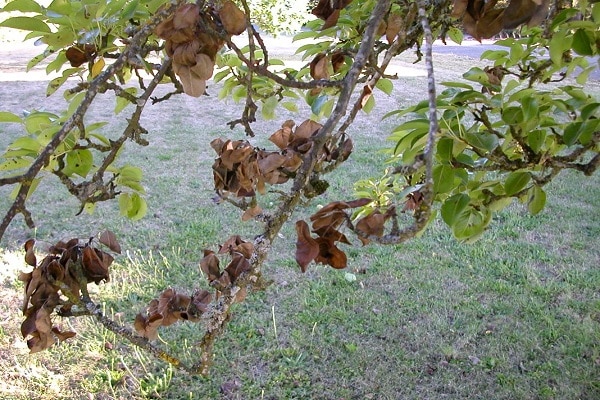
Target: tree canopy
[(464, 153)]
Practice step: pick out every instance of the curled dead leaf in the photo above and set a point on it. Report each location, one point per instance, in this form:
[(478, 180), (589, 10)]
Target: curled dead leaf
[(307, 248), (186, 16), (30, 253), (81, 53), (109, 239), (232, 18), (209, 265), (251, 212), (371, 224), (330, 254), (307, 129), (319, 67), (148, 326)]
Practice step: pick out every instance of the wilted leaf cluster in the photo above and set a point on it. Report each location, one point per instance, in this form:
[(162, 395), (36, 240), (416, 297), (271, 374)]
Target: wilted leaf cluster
[(192, 40), (243, 170), (326, 224), (169, 308), (482, 19), (240, 252), (56, 285)]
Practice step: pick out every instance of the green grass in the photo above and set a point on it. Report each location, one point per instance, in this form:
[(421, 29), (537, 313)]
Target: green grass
[(513, 316)]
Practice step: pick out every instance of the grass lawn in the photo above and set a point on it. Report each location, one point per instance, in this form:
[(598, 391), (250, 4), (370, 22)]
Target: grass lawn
[(514, 316)]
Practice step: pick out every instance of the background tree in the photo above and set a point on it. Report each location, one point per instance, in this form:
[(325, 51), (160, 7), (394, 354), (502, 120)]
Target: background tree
[(463, 154)]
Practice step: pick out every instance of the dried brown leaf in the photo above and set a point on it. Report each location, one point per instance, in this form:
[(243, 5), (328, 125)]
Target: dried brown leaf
[(319, 67), (210, 265), (62, 335), (337, 60), (95, 264), (268, 162), (394, 25), (251, 212), (366, 95), (185, 53), (186, 16), (524, 11), (109, 239), (459, 7), (192, 85), (30, 253), (331, 20), (238, 265), (281, 138), (246, 249), (148, 326), (307, 248), (330, 254), (233, 19), (307, 129), (332, 234), (372, 224)]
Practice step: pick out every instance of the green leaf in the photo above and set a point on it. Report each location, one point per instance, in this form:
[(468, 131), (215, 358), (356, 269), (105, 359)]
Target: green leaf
[(38, 120), (89, 208), (327, 107), (303, 35), (34, 184), (124, 203), (26, 24), (476, 74), (131, 173), (512, 115), (56, 64), (385, 85), (453, 206), (318, 103), (515, 182), (79, 162), (129, 10), (290, 106), (583, 76), (572, 133), (590, 111), (443, 179), (536, 139), (268, 108), (494, 55), (558, 45), (444, 149), (537, 200), (23, 6), (59, 81), (132, 205), (369, 105), (455, 35), (471, 224), (6, 116), (483, 141), (15, 163), (596, 12), (123, 102), (37, 59), (26, 143), (457, 85), (582, 43)]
